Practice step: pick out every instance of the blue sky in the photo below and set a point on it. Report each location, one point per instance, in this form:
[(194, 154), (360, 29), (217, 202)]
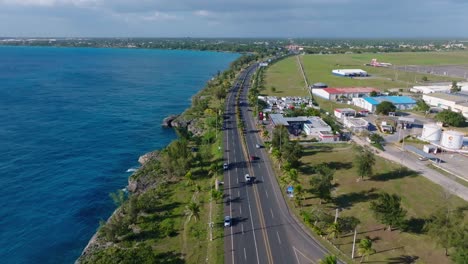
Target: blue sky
[(234, 18)]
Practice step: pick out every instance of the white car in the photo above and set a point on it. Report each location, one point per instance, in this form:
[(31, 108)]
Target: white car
[(225, 166), (227, 221), (257, 146), (249, 179)]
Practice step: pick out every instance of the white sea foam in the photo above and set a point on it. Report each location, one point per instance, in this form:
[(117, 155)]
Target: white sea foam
[(132, 169)]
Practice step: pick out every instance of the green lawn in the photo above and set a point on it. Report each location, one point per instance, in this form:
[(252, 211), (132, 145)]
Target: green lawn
[(286, 77), (420, 198)]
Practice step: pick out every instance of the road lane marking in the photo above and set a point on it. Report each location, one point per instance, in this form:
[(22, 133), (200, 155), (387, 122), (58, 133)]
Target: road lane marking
[(240, 209), (271, 211), (266, 192), (238, 194), (253, 228), (237, 179), (242, 226), (297, 250), (279, 239), (245, 255)]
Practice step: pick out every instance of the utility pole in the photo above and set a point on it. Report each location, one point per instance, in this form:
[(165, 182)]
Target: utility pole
[(354, 243)]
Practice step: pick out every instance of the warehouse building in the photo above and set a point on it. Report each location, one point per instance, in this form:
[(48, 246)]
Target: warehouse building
[(311, 125), (441, 88), (349, 73), (370, 103), (454, 102), (339, 93)]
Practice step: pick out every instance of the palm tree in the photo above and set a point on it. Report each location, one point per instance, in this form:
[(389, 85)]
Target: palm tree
[(118, 197), (189, 178), (193, 209), (293, 176), (328, 259), (333, 230), (365, 248)]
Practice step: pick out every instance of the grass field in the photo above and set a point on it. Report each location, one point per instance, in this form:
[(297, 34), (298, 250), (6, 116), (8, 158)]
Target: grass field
[(285, 75), (420, 198)]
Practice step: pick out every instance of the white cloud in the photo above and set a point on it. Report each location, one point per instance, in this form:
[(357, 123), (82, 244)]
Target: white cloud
[(158, 16), (202, 13), (49, 3)]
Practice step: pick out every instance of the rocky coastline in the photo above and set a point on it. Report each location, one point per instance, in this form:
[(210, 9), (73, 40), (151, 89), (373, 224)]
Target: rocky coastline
[(145, 178)]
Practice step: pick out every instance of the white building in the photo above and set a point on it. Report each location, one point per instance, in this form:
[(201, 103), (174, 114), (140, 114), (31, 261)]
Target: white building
[(454, 102), (327, 136), (349, 73), (311, 125), (370, 103), (315, 126), (344, 112), (356, 125), (338, 93), (442, 88)]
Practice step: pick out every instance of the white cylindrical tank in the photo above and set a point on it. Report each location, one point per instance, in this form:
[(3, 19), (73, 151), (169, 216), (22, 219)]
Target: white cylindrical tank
[(431, 132), (452, 139)]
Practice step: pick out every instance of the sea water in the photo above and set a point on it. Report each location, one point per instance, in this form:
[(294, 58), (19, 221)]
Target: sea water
[(73, 122)]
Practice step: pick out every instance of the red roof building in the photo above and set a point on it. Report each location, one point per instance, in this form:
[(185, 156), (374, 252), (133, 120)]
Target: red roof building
[(344, 92)]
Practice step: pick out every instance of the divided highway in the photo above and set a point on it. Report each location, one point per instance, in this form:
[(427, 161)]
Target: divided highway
[(263, 230)]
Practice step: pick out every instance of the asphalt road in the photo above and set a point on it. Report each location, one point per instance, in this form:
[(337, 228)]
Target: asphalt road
[(263, 230), (411, 161)]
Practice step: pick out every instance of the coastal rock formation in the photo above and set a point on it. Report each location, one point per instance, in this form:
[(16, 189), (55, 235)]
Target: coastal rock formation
[(167, 122), (146, 157), (141, 179)]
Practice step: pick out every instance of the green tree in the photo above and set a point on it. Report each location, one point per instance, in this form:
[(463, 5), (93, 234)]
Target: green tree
[(166, 227), (365, 248), (322, 183), (280, 137), (455, 88), (377, 138), (387, 209), (444, 226), (119, 197), (364, 161), (373, 94), (385, 107), (292, 153), (451, 118), (216, 195), (192, 210), (189, 178), (422, 106), (333, 230), (273, 89), (328, 259), (424, 79), (299, 193), (293, 175)]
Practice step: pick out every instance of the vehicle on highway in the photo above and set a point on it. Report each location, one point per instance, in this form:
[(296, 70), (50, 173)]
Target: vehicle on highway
[(225, 166), (249, 179), (253, 158), (227, 221), (422, 158), (258, 146)]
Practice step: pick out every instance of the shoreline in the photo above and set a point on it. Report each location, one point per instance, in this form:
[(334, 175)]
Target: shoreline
[(142, 160)]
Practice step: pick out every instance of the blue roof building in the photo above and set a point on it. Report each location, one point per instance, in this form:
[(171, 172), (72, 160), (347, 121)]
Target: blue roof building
[(370, 103)]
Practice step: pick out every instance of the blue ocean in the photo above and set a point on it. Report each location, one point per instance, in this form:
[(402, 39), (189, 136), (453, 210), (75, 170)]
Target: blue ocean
[(73, 121)]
